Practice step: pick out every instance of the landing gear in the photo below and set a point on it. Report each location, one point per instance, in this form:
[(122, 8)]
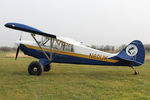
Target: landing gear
[(35, 68), (47, 68), (135, 71)]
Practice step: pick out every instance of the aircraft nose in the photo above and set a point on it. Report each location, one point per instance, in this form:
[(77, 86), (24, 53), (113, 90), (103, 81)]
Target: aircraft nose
[(18, 42)]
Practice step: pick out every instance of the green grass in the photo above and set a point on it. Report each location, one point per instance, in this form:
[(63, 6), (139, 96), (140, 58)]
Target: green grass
[(72, 82), (147, 53)]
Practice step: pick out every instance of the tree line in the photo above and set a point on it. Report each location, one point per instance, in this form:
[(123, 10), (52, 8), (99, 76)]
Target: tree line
[(107, 48), (7, 49), (110, 48)]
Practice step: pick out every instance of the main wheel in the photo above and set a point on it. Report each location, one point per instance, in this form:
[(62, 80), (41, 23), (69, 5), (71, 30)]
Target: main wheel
[(47, 68), (35, 68)]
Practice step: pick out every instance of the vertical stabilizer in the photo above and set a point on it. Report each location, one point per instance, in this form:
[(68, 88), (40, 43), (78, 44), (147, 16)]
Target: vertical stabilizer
[(134, 52)]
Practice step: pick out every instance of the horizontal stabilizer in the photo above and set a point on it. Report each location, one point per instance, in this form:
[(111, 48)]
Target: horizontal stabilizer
[(26, 28)]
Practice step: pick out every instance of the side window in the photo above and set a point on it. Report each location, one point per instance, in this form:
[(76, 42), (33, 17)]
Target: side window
[(58, 45), (45, 43), (63, 46)]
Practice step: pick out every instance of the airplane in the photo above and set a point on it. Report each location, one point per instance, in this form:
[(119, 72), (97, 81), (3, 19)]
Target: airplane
[(55, 49)]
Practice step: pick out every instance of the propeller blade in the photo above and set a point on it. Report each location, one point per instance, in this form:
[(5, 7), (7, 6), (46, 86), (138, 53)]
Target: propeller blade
[(20, 37), (17, 52)]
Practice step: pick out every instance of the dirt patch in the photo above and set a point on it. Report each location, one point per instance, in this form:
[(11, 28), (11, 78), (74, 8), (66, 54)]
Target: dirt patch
[(13, 55), (147, 58)]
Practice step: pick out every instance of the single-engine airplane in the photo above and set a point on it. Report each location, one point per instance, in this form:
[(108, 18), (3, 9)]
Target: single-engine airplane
[(57, 49)]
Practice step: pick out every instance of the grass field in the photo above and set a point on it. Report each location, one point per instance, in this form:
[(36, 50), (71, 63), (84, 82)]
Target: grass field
[(72, 82)]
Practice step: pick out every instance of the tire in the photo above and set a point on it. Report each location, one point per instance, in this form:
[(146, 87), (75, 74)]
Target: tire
[(47, 68), (35, 68)]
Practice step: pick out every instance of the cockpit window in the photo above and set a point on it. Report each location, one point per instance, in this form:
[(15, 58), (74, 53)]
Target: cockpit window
[(57, 45), (45, 42)]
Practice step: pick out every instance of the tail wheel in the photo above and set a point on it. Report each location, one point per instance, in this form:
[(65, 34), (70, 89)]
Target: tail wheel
[(47, 68), (35, 68)]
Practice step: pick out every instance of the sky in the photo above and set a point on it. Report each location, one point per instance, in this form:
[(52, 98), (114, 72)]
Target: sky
[(93, 22)]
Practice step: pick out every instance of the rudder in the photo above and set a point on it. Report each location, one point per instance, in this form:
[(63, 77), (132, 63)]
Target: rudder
[(134, 53)]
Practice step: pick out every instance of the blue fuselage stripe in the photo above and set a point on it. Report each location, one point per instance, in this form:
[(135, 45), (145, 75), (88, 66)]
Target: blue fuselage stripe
[(61, 58)]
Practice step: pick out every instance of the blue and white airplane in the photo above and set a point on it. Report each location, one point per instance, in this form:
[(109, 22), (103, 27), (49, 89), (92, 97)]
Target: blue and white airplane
[(57, 49)]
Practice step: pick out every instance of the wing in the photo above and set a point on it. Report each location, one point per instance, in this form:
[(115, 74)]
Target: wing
[(22, 27), (68, 40)]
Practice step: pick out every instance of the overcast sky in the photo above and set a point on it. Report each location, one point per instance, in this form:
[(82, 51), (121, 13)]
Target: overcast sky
[(97, 22)]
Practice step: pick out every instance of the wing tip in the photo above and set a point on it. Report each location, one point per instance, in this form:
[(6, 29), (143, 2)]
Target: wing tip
[(26, 28)]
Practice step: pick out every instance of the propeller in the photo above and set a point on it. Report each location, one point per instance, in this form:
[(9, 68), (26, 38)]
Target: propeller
[(17, 52)]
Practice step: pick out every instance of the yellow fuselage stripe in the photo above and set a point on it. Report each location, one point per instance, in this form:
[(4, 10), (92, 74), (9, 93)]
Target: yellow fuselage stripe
[(73, 54)]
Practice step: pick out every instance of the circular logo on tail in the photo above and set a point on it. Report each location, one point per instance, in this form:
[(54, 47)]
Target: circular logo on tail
[(131, 50)]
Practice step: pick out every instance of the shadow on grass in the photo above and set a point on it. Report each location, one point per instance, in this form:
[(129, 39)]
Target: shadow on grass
[(82, 75), (92, 75)]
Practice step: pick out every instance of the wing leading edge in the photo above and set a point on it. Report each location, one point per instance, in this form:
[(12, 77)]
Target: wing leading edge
[(26, 28)]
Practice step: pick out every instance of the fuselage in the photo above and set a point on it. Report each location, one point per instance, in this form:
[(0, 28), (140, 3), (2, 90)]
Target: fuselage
[(74, 53)]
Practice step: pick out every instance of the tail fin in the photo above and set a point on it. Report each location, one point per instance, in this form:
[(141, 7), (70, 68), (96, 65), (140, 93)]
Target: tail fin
[(134, 53)]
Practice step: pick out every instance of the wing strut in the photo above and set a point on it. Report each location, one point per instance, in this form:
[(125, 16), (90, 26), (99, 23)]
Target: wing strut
[(51, 48), (49, 58)]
